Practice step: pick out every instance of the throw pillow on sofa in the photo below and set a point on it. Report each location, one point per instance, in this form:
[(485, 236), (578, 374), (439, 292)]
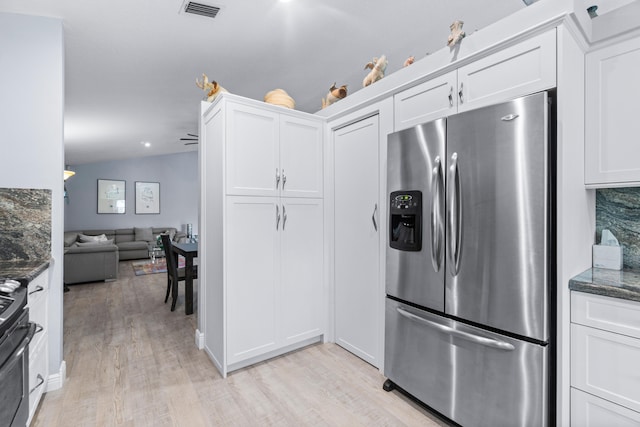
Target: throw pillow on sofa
[(70, 238), (145, 234), (83, 238), (94, 243)]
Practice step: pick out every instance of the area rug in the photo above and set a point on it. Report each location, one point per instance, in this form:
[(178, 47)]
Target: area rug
[(159, 266)]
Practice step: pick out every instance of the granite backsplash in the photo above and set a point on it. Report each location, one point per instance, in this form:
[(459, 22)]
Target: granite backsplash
[(25, 224), (618, 210)]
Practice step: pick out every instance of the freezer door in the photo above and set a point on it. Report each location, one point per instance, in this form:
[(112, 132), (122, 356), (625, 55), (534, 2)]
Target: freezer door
[(415, 162), (474, 377), (498, 216)]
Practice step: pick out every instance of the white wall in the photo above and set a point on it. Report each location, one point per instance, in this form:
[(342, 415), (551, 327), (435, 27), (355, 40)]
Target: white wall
[(31, 134), (179, 192)]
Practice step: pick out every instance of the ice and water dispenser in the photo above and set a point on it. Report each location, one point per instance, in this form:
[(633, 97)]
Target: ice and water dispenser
[(405, 217)]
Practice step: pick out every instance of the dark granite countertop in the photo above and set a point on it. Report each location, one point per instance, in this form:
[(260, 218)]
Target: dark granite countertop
[(623, 284), (23, 271)]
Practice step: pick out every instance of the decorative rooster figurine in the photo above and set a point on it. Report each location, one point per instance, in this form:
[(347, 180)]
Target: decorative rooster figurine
[(335, 94), (378, 65), (213, 89)]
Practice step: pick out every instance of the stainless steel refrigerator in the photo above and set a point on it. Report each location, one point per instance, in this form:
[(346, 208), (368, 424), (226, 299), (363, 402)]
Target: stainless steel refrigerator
[(470, 264)]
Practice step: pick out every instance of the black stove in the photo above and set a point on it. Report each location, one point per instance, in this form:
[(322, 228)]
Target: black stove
[(12, 304), (16, 333)]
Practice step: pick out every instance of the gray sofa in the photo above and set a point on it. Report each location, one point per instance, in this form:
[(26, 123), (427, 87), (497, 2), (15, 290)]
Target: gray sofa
[(89, 260)]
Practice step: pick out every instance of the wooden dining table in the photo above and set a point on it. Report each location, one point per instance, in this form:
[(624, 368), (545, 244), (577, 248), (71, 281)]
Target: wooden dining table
[(189, 250)]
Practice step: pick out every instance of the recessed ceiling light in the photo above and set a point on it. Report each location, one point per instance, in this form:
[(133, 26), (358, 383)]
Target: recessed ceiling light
[(285, 1), (147, 144)]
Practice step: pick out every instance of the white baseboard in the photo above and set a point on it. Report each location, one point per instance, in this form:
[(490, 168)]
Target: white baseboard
[(199, 340), (56, 380)]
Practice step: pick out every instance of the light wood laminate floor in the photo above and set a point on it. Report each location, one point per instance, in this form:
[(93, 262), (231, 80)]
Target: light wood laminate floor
[(133, 362)]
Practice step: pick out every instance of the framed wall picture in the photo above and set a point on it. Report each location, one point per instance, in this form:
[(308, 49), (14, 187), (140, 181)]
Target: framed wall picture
[(111, 196), (147, 197)]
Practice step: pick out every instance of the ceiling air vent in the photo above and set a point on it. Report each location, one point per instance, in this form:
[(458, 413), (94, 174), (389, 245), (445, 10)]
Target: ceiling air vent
[(201, 9)]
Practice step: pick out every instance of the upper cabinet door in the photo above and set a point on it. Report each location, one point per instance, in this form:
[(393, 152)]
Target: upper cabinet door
[(300, 157), (528, 67), (252, 151), (611, 123), (427, 101)]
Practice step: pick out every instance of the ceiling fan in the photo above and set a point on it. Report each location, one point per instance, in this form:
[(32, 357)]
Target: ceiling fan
[(192, 139)]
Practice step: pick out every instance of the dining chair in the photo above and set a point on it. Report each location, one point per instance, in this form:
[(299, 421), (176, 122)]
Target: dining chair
[(174, 274)]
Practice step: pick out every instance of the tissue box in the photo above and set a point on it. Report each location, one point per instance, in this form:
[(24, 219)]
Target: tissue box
[(607, 257)]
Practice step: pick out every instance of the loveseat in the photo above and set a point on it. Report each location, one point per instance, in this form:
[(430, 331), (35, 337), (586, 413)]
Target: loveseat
[(93, 255)]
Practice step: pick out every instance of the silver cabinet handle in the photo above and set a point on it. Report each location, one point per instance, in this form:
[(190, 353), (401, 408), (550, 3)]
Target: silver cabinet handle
[(284, 216), (477, 339), (40, 382), (277, 216), (277, 178), (373, 217), (450, 96), (38, 289), (454, 217), (461, 93), (437, 228), (284, 179), (39, 328)]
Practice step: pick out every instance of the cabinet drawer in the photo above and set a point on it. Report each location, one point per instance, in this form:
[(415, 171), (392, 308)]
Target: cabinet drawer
[(425, 102), (38, 374), (38, 287), (591, 411), (610, 314), (606, 365), (528, 67), (38, 315)]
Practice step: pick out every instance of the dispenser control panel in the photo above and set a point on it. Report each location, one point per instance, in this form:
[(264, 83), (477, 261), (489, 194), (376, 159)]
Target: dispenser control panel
[(405, 220), (404, 201)]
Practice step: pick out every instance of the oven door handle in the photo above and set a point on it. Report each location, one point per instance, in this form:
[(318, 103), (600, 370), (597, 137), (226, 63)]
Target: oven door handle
[(17, 354)]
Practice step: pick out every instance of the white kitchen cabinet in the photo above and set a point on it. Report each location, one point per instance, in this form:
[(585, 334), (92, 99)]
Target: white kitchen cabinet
[(527, 67), (301, 166), (273, 153), (37, 303), (427, 101), (301, 272), (357, 238), (252, 276), (262, 251), (252, 162), (612, 148), (588, 410), (605, 349), (274, 274)]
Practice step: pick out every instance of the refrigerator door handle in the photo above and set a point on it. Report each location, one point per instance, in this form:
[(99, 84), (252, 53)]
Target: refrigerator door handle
[(437, 230), (477, 339), (454, 214), (373, 217)]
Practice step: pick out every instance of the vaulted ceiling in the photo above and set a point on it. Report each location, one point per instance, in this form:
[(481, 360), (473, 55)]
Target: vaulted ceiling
[(131, 65)]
